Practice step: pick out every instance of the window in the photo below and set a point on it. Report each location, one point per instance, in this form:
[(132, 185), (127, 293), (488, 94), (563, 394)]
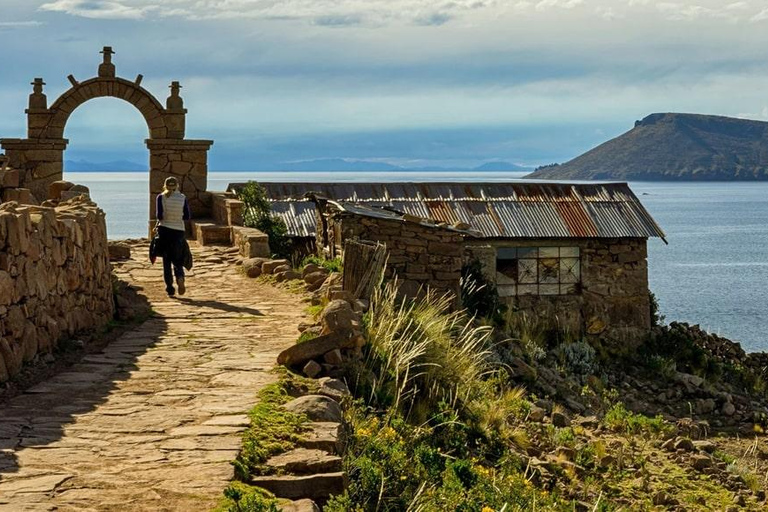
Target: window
[(538, 271)]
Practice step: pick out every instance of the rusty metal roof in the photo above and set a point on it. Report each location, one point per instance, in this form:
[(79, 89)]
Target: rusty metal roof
[(497, 210)]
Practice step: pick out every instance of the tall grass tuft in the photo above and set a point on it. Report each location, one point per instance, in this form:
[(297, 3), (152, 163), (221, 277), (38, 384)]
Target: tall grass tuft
[(424, 354)]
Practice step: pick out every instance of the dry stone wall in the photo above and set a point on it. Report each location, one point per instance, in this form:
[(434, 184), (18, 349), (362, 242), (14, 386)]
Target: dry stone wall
[(55, 277), (420, 255)]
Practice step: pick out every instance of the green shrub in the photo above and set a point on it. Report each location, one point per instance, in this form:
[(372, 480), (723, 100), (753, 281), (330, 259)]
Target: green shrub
[(273, 430), (240, 497), (333, 265), (620, 419), (258, 214)]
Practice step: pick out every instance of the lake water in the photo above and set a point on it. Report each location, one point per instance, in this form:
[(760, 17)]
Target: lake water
[(713, 272)]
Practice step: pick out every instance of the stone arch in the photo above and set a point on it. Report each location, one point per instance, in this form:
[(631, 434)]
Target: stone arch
[(39, 157), (143, 100)]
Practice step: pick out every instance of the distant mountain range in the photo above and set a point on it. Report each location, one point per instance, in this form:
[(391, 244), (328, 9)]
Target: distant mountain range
[(320, 165), (116, 165), (674, 147)]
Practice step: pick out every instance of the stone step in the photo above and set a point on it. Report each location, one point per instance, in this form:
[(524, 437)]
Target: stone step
[(324, 435), (300, 506), (303, 461), (207, 232), (314, 487)]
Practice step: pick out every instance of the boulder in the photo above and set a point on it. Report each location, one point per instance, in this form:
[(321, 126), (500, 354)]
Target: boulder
[(300, 353), (310, 268), (559, 419), (701, 462), (286, 275), (537, 414), (684, 444), (333, 357), (728, 409), (119, 251), (338, 317), (57, 187), (316, 408), (312, 369), (315, 277), (333, 388), (269, 266), (252, 266)]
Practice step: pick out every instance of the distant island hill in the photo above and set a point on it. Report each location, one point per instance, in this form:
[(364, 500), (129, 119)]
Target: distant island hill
[(676, 147)]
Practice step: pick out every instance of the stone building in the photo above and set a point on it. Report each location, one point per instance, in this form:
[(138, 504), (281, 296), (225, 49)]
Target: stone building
[(573, 253)]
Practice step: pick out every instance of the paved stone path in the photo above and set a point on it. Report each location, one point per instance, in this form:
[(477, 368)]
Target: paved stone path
[(153, 421)]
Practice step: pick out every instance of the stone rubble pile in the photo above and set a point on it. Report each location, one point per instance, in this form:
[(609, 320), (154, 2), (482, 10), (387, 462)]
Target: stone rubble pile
[(54, 277)]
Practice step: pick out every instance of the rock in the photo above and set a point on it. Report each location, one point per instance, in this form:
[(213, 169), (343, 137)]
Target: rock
[(341, 295), (574, 405), (269, 266), (705, 406), (668, 445), (360, 305), (314, 277), (316, 408), (333, 388), (701, 462), (310, 268), (559, 419), (590, 422), (312, 369), (286, 275), (323, 435), (252, 266), (728, 409), (705, 446), (607, 461), (333, 357), (119, 251), (57, 187), (316, 487), (300, 506), (537, 414), (661, 498), (521, 370), (304, 461), (684, 444), (300, 353), (338, 316)]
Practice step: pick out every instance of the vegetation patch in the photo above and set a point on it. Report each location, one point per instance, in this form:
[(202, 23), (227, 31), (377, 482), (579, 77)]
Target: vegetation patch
[(273, 430), (333, 265)]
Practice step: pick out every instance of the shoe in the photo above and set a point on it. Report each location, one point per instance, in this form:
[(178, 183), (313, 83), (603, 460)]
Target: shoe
[(171, 292), (180, 284)]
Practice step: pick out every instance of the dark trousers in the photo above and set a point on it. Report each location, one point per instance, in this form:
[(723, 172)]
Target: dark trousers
[(173, 255)]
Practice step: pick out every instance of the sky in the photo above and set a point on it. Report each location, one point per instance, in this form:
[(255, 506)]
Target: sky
[(414, 83)]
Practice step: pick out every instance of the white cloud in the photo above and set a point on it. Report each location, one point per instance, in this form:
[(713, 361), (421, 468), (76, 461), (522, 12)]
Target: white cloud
[(98, 9), (761, 16), (19, 24)]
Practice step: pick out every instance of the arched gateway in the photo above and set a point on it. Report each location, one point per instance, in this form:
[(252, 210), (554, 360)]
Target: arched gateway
[(40, 156)]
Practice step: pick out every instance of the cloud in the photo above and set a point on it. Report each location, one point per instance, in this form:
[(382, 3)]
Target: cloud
[(98, 9), (761, 16), (20, 24)]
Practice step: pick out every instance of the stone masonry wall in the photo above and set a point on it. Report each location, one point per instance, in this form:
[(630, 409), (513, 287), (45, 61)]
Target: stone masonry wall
[(421, 256), (55, 278), (613, 301)]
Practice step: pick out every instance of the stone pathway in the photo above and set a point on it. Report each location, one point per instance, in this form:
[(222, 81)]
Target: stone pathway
[(153, 421)]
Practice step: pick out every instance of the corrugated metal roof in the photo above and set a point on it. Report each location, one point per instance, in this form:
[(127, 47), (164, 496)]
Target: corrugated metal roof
[(497, 210)]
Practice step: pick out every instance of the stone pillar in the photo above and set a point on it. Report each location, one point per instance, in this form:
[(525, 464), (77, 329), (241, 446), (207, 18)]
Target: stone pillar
[(175, 113), (187, 160), (38, 115), (40, 162)]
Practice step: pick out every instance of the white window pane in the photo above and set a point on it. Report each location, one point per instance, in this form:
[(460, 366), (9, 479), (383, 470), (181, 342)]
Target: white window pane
[(549, 289), (569, 252), (528, 289), (549, 270), (570, 270), (527, 271), (507, 290)]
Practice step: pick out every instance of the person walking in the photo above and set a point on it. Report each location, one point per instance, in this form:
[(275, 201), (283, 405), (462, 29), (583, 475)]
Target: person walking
[(172, 210)]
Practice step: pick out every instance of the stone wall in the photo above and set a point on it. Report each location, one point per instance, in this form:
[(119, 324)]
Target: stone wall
[(612, 299), (55, 278), (420, 255)]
